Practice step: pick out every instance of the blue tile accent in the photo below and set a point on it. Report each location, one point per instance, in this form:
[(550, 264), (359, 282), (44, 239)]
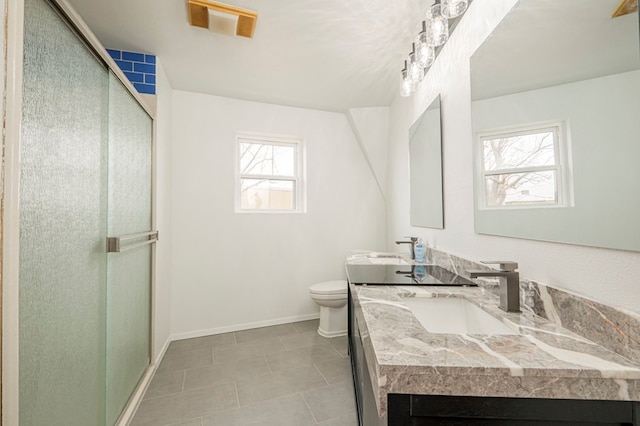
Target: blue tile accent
[(145, 88), (130, 56), (139, 68), (134, 77), (145, 68), (115, 54), (125, 65)]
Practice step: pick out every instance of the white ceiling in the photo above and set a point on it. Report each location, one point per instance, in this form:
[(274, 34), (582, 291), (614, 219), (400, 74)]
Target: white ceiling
[(322, 54)]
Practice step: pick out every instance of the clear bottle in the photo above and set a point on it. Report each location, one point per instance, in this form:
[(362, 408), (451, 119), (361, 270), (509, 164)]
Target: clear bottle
[(420, 251)]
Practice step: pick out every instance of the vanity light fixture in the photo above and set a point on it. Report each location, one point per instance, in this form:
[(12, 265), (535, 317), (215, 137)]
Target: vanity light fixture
[(453, 8), (434, 34), (407, 86), (416, 70), (425, 53), (437, 26), (219, 17)]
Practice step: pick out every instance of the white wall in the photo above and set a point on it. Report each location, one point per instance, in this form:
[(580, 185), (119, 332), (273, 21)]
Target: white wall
[(609, 276), (162, 296), (232, 271)]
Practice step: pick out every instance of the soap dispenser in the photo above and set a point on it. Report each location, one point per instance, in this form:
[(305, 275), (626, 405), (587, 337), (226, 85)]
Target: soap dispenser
[(420, 251)]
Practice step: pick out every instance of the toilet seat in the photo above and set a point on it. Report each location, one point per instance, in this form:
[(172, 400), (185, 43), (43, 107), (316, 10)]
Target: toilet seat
[(329, 288)]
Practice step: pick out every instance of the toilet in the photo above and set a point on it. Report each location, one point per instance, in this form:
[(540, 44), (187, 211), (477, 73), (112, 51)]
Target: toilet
[(332, 298)]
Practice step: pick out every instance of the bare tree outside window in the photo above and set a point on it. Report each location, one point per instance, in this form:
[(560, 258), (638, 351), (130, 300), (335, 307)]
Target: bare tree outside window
[(268, 174), (521, 167)]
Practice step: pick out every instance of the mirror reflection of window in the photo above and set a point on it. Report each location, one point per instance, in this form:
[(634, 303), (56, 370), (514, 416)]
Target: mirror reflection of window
[(522, 167)]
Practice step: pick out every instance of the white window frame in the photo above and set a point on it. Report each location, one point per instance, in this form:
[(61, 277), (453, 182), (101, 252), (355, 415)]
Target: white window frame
[(562, 166), (298, 179)]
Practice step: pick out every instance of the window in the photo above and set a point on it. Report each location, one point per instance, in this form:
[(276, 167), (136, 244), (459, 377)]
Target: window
[(270, 174), (523, 167)]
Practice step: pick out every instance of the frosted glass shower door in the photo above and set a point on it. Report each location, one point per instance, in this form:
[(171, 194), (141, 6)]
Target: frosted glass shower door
[(128, 271), (86, 174), (63, 226)]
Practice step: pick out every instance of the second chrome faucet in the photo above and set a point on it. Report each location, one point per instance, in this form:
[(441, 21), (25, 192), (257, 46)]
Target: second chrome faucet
[(509, 283), (411, 243)]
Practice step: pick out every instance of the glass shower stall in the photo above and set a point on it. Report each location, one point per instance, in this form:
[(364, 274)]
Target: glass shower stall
[(86, 229)]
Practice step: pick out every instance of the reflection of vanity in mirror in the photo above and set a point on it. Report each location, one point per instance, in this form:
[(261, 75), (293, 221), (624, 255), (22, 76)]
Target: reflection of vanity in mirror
[(556, 119), (425, 169)]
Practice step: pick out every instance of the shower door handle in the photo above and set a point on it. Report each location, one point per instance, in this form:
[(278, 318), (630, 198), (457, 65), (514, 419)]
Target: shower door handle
[(114, 246)]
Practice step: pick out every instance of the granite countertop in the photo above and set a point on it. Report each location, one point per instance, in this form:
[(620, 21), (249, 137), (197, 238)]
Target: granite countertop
[(543, 361)]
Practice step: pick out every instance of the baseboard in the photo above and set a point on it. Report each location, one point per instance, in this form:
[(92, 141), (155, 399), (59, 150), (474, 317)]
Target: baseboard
[(332, 334), (163, 350), (245, 326), (133, 404)]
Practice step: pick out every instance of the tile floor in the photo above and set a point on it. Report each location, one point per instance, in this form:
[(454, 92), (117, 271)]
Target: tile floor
[(285, 375)]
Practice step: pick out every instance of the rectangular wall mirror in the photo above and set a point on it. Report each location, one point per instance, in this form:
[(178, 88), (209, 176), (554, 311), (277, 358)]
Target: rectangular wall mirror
[(425, 169), (556, 117)]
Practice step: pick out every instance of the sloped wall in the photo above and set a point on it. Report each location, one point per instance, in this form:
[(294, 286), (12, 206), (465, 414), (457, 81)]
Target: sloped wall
[(371, 129)]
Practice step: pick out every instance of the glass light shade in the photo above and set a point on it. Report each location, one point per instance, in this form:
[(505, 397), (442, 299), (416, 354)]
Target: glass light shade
[(416, 70), (425, 54), (453, 8), (437, 26), (406, 87)]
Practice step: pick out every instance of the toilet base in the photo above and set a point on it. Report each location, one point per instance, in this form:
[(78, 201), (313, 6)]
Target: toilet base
[(333, 321)]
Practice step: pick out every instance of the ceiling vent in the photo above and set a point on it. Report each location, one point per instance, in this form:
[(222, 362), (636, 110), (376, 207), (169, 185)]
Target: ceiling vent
[(222, 18)]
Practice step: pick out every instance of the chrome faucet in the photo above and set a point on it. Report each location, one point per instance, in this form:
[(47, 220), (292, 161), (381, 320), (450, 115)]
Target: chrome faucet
[(411, 243), (509, 283)]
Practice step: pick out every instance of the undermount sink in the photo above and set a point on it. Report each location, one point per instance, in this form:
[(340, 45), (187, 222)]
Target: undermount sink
[(374, 258), (388, 260), (454, 315)]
